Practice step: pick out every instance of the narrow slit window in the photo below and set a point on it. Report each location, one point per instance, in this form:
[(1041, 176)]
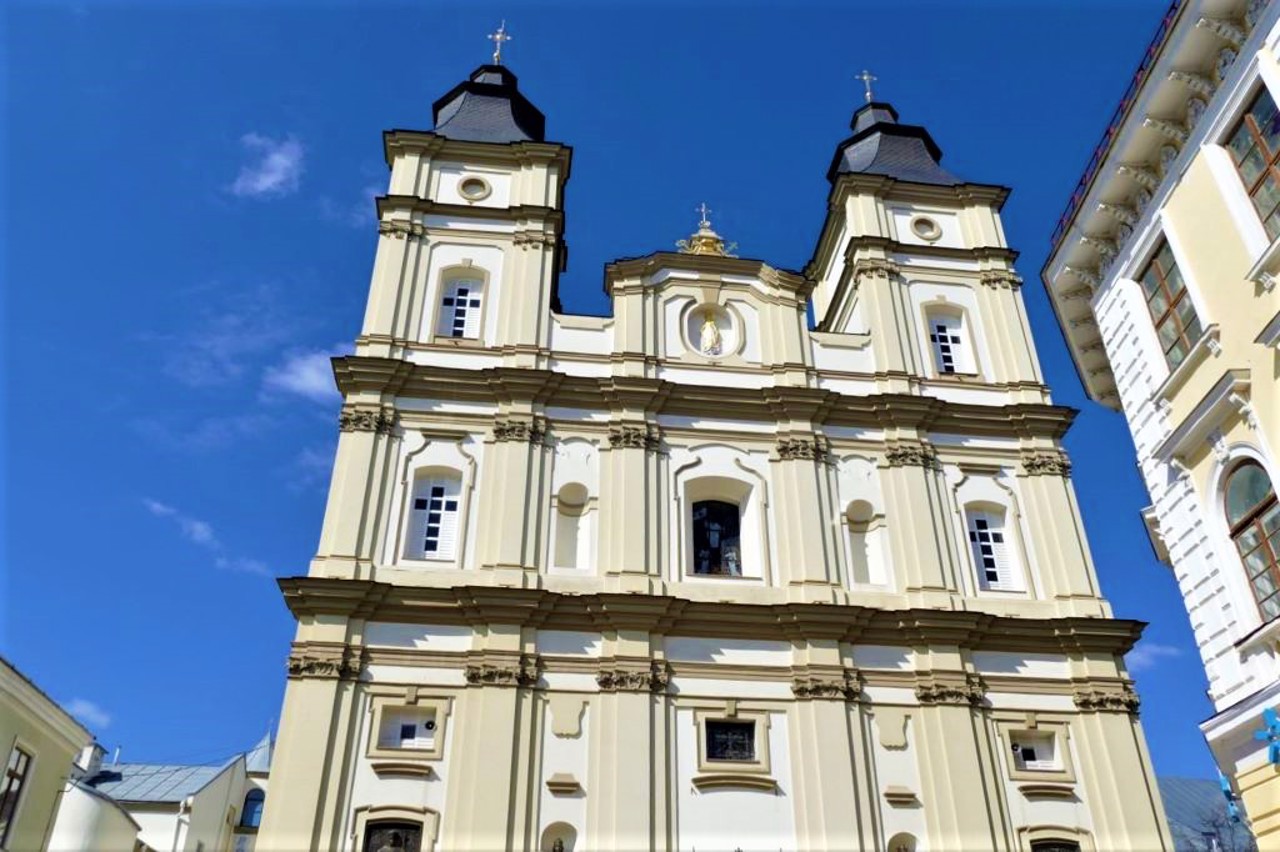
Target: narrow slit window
[(11, 787), (460, 309)]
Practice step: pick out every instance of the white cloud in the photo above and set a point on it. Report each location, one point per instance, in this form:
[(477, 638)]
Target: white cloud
[(276, 168), (226, 337), (89, 713), (1146, 655), (201, 533), (307, 374)]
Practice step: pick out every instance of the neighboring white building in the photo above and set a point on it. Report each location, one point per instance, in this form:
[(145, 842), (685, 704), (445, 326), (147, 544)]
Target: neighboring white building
[(173, 808)]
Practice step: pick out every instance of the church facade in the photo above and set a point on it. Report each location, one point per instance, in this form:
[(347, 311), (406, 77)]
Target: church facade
[(702, 574)]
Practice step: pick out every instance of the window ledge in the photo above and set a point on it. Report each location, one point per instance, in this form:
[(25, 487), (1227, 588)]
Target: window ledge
[(900, 797), (1263, 270), (1047, 791), (402, 767), (1208, 343), (1266, 637), (1270, 334), (737, 577), (725, 780)]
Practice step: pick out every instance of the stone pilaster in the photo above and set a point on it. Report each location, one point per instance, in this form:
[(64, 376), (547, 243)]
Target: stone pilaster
[(1060, 549), (802, 504), (355, 518), (923, 544), (513, 483), (631, 491)]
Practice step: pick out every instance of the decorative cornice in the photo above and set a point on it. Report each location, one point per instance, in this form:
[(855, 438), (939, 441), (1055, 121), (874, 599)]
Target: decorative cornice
[(522, 672), (912, 455), (1087, 277), (325, 660), (1046, 464), (1141, 173), (1194, 81), (382, 421), (1122, 213), (872, 266), (624, 679), (844, 686), (1095, 700), (532, 431), (1172, 130), (645, 437), (1224, 28), (533, 239), (400, 229), (816, 448)]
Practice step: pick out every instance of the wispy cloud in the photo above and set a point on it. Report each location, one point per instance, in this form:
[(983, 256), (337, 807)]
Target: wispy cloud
[(307, 374), (1147, 655), (201, 533), (353, 214), (211, 433), (89, 713), (227, 339), (311, 467), (274, 170)]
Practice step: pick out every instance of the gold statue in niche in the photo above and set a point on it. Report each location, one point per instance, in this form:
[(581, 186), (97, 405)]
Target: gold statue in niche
[(709, 340)]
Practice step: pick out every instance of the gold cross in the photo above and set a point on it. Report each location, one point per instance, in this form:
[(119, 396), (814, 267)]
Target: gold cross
[(498, 38), (704, 210), (867, 78)]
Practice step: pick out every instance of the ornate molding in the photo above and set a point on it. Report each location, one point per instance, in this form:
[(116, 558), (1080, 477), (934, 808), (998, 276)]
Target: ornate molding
[(1141, 175), (522, 672), (1122, 213), (335, 662), (367, 420), (1198, 83), (914, 455), (1171, 130), (635, 437), (653, 679), (875, 266), (1228, 30), (812, 449), (844, 687), (400, 229), (1087, 277), (972, 692), (1046, 464), (1107, 700), (1004, 278), (533, 431), (533, 239)]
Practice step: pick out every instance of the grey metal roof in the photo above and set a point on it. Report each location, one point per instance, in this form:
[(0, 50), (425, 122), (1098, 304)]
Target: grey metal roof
[(1195, 807), (488, 107), (151, 782), (881, 146), (258, 758)]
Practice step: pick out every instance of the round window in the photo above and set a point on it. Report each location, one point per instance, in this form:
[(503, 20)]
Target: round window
[(473, 188), (925, 228)]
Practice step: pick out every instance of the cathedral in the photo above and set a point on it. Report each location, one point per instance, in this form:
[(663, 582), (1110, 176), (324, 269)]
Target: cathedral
[(764, 560)]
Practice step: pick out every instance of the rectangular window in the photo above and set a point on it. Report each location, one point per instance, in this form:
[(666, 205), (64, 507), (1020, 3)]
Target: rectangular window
[(731, 741), (1034, 752), (1177, 326), (407, 728), (990, 552), (15, 777), (944, 334), (435, 519), (1255, 148), (460, 310), (717, 538)]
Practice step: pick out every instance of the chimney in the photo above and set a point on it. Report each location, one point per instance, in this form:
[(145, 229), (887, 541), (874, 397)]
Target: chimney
[(90, 761)]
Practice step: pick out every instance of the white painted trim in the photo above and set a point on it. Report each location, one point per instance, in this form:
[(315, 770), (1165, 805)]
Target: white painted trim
[(1210, 411)]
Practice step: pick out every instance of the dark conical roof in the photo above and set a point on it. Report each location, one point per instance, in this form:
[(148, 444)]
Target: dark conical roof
[(488, 107), (881, 146)]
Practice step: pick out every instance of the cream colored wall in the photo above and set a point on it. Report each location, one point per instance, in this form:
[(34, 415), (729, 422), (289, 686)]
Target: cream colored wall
[(31, 721), (91, 823)]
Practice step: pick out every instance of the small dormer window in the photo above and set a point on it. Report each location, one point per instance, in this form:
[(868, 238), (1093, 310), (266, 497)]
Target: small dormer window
[(460, 309)]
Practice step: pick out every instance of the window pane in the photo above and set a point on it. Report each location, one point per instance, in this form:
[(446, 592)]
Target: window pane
[(1159, 303), (1271, 519), (1248, 539), (1251, 166), (1150, 281), (393, 837), (1190, 323), (1264, 114), (1240, 143), (1272, 225), (1168, 333), (1263, 586), (716, 538), (1173, 279), (1164, 257), (1176, 354), (1257, 561), (1247, 489), (731, 740), (1271, 608), (1266, 196)]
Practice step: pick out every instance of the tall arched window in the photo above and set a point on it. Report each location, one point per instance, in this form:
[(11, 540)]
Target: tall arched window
[(1254, 518), (993, 553), (717, 538), (949, 342), (251, 813), (460, 309)]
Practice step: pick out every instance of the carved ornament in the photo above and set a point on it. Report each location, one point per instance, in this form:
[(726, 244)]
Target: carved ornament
[(914, 455), (971, 692), (533, 239), (336, 663), (365, 420), (1047, 464), (1198, 83), (1107, 701), (400, 229), (875, 266), (1141, 174), (654, 679), (532, 431), (1229, 31), (1171, 130), (1122, 213), (1005, 278), (522, 672), (1087, 277), (844, 687), (634, 438), (803, 448)]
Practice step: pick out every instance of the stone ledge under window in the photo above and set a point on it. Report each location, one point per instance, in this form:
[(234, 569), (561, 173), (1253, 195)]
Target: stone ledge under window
[(726, 780), (1047, 791), (402, 767), (1207, 343), (1266, 637), (900, 797), (563, 784)]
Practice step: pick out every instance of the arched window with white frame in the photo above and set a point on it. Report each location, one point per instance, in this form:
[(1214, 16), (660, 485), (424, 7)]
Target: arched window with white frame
[(950, 341), (435, 506), (1253, 518), (461, 308), (992, 549)]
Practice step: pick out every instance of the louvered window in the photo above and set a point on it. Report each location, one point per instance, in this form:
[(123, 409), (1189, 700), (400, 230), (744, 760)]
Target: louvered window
[(408, 728), (434, 522), (948, 339), (460, 309), (1035, 752), (991, 553)]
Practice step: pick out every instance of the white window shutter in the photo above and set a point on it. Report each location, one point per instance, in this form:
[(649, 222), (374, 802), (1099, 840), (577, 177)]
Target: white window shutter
[(434, 506), (449, 520), (475, 305), (448, 300), (1004, 561)]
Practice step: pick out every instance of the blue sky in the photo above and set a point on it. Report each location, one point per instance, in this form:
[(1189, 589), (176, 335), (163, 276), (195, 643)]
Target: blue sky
[(190, 233)]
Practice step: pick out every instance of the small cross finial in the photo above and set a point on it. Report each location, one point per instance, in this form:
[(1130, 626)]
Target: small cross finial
[(498, 38), (703, 210), (867, 79)]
